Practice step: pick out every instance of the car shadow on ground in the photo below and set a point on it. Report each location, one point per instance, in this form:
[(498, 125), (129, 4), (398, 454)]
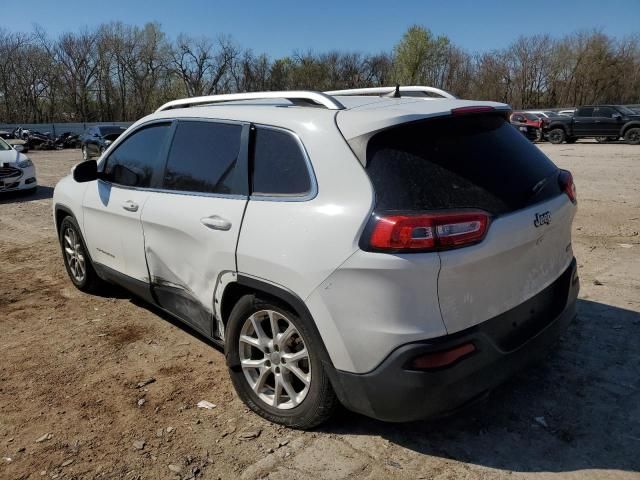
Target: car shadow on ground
[(578, 409), (41, 193)]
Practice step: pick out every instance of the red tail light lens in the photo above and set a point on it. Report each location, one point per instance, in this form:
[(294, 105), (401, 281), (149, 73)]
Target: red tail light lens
[(426, 232), (566, 184)]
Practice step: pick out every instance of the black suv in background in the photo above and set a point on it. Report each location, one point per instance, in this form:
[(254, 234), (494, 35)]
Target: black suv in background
[(96, 139), (602, 122)]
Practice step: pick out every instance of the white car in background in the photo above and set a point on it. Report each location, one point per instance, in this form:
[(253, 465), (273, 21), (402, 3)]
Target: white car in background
[(400, 256), (17, 172)]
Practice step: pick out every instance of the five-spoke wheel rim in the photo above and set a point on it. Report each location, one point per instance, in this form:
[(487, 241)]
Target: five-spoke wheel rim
[(274, 359), (74, 254)]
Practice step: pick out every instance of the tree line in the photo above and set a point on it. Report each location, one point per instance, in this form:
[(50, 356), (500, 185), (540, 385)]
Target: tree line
[(120, 72)]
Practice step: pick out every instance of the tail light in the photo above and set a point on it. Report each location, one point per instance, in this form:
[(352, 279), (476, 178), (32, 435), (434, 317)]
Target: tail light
[(425, 232), (565, 179)]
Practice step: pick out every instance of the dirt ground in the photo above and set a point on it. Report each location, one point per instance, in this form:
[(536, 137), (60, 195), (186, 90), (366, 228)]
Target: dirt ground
[(70, 364)]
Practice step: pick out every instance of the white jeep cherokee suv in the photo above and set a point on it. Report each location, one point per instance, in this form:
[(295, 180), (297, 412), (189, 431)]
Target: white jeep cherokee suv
[(399, 255)]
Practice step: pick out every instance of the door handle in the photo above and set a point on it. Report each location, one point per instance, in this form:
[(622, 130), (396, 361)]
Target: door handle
[(130, 206), (216, 222)]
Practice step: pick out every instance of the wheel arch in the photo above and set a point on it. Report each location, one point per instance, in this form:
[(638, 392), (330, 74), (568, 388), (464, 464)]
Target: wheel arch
[(60, 212), (246, 285), (561, 126), (626, 127)]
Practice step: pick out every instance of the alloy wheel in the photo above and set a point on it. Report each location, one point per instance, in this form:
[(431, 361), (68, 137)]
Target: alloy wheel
[(274, 359), (74, 254)]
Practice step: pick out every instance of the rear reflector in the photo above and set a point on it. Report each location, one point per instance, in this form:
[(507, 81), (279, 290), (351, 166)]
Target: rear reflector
[(441, 359), (472, 109), (426, 232), (565, 179)]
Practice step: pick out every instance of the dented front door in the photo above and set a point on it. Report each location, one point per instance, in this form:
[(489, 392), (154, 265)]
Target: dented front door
[(190, 240)]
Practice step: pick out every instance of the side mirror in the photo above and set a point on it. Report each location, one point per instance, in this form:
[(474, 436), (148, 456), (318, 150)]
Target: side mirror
[(617, 116), (86, 171), (18, 148)]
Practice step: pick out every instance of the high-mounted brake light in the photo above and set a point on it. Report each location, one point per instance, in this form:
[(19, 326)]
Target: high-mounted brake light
[(471, 109), (565, 179), (426, 232)]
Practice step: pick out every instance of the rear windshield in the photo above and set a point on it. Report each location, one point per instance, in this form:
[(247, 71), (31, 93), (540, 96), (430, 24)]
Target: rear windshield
[(458, 162)]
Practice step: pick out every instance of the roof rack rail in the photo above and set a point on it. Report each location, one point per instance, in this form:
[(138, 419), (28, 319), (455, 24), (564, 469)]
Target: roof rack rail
[(297, 97), (391, 90)]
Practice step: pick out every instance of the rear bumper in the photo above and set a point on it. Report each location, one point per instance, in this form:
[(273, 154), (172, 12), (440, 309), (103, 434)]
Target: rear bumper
[(504, 345)]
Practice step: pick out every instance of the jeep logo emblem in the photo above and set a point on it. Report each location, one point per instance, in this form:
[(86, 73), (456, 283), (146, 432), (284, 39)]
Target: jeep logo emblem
[(543, 218)]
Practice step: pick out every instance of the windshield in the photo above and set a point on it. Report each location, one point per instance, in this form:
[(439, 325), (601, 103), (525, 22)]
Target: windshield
[(104, 131), (552, 114), (4, 145), (625, 111)]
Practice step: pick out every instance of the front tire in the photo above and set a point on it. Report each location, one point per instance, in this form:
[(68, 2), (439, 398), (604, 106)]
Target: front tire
[(632, 136), (556, 136), (76, 260), (274, 360)]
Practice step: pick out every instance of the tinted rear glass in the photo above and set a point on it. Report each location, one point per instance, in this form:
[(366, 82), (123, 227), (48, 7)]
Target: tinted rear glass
[(458, 162), (279, 165), (203, 157)]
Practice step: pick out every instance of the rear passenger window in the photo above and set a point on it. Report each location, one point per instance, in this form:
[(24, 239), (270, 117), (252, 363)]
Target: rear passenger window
[(584, 112), (134, 161), (203, 157), (279, 164)]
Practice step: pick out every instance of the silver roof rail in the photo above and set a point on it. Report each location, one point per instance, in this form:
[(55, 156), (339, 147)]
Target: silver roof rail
[(297, 97), (390, 90)]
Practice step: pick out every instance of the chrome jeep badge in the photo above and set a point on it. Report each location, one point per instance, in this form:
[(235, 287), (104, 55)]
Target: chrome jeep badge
[(543, 218)]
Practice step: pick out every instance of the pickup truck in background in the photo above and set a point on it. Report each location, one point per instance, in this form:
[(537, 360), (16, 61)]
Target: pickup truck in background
[(602, 122)]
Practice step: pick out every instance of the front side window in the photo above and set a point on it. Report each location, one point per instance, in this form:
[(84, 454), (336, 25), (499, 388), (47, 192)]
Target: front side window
[(203, 158), (607, 112), (279, 165), (134, 161)]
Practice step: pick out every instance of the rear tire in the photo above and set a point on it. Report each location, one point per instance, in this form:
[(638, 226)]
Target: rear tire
[(76, 260), (556, 136), (632, 136), (280, 377)]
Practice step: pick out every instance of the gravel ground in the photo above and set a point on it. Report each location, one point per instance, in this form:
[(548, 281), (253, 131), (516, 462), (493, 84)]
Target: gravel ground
[(70, 364)]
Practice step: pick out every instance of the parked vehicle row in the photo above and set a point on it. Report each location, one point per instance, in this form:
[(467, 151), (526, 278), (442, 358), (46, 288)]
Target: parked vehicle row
[(602, 122), (32, 139), (336, 244)]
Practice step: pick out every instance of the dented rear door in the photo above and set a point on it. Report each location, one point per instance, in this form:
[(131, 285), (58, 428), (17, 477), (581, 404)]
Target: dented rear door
[(191, 226)]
